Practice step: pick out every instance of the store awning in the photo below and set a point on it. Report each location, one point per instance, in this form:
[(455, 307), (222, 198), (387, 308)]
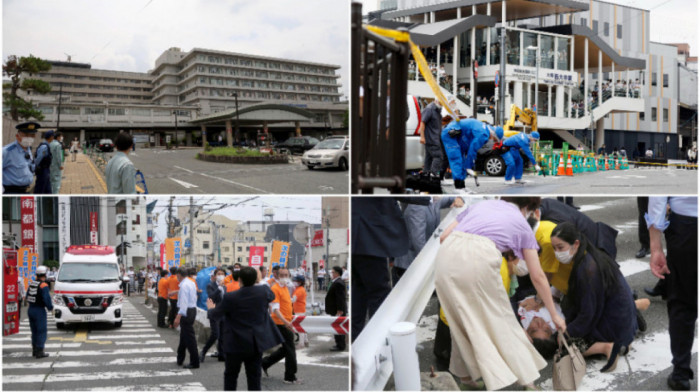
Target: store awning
[(256, 115)]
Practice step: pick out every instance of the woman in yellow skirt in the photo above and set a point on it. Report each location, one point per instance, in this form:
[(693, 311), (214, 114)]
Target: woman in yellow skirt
[(487, 340)]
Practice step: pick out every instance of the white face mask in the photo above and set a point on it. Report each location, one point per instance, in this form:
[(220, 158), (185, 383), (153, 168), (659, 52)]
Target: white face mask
[(297, 284), (564, 257), (26, 142), (219, 278)]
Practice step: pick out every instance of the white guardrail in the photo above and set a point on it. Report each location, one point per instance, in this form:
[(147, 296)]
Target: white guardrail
[(302, 324), (372, 361)]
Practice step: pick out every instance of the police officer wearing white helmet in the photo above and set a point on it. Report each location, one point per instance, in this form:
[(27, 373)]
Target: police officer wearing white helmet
[(38, 297)]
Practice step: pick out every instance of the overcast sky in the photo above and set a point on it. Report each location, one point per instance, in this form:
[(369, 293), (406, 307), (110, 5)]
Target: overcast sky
[(672, 21), (248, 208), (128, 35)]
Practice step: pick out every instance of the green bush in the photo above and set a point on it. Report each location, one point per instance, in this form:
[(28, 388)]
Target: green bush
[(234, 152), (51, 263)]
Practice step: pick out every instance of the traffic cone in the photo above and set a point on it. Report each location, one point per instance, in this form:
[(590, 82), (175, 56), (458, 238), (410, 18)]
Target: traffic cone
[(607, 167), (617, 164), (560, 170), (569, 166)]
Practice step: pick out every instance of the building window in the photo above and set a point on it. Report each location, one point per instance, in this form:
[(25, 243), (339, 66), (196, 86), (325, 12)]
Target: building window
[(653, 78), (121, 207), (653, 114), (584, 22), (619, 31), (239, 249), (247, 248), (50, 243), (595, 26), (48, 210), (641, 116), (116, 111), (606, 29), (205, 244), (665, 80), (10, 208), (665, 115), (94, 110)]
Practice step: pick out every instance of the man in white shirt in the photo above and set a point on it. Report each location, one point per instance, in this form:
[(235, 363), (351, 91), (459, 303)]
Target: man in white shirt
[(187, 305)]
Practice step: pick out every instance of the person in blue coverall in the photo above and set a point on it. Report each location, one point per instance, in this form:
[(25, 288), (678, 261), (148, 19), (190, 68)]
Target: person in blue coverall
[(39, 298), (514, 162), (462, 140)]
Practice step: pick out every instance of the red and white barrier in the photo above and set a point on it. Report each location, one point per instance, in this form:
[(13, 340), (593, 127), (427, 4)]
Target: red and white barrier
[(321, 324)]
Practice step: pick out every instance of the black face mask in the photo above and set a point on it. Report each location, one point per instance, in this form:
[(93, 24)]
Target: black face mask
[(236, 274)]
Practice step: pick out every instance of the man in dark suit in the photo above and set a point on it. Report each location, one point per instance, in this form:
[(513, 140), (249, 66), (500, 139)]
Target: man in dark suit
[(247, 329), (336, 304), (378, 233), (215, 291)]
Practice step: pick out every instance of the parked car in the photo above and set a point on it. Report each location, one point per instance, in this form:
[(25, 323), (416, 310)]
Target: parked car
[(332, 152), (298, 144), (105, 145)]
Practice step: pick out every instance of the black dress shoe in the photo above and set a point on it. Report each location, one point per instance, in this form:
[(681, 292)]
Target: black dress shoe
[(179, 363), (655, 292), (641, 323), (221, 358), (191, 366), (642, 253), (201, 357), (214, 355), (678, 385), (336, 348), (40, 353), (264, 369)]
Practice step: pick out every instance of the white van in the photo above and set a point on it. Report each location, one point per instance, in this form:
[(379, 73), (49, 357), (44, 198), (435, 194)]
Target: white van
[(87, 287)]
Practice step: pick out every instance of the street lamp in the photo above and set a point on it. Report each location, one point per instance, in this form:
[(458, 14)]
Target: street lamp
[(175, 113), (537, 72), (238, 136)]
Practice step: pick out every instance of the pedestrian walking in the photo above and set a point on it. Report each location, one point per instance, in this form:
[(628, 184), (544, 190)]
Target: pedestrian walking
[(38, 297), (215, 292), (336, 304), (42, 165), (120, 172), (173, 289), (321, 277), (248, 330), (282, 316), (680, 267), (56, 169), (430, 128), (162, 289), (18, 160), (187, 304), (74, 148)]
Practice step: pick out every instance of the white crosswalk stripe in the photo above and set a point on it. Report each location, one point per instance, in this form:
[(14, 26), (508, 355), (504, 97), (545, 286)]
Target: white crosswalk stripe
[(97, 356)]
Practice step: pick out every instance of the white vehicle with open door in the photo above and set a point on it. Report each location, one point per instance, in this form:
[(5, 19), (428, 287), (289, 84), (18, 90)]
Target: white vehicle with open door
[(87, 287)]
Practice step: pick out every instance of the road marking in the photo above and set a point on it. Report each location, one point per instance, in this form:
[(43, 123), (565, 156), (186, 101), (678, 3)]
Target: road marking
[(633, 266), (80, 336), (62, 377), (79, 364), (234, 183), (47, 345), (325, 188), (149, 350), (184, 184), (182, 168), (98, 336), (145, 342), (190, 386)]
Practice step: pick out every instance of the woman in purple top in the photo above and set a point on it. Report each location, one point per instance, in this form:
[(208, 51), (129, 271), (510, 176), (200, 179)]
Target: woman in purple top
[(487, 341)]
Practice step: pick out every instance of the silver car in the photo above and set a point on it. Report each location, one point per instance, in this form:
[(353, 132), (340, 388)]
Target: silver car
[(332, 152)]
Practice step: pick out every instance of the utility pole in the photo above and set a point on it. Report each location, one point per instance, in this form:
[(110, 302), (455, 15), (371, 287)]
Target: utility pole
[(171, 221), (60, 98), (328, 224), (192, 230)]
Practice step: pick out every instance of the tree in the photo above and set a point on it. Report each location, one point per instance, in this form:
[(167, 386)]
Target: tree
[(20, 70)]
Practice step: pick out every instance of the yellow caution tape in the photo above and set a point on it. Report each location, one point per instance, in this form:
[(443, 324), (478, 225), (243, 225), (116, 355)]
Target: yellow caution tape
[(404, 36)]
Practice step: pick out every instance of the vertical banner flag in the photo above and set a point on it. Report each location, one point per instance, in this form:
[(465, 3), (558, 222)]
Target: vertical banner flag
[(33, 263), (172, 252), (318, 239), (93, 228), (23, 265), (280, 253), (163, 264), (257, 254), (27, 219), (63, 225)]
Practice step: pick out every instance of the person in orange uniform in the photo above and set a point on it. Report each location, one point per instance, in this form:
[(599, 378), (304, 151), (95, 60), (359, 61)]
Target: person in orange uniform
[(234, 273), (299, 306), (162, 298), (234, 284), (282, 316), (173, 289)]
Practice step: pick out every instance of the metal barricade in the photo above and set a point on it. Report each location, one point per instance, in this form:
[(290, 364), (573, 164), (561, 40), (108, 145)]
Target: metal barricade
[(379, 83)]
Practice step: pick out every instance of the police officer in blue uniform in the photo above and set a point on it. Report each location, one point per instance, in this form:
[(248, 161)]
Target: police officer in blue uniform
[(39, 298), (18, 161), (42, 165), (462, 140), (514, 162)]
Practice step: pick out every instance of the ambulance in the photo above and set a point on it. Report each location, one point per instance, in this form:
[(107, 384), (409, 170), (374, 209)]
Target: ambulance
[(87, 288)]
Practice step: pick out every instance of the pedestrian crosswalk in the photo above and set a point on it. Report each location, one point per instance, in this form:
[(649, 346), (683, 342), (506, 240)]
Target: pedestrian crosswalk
[(96, 357)]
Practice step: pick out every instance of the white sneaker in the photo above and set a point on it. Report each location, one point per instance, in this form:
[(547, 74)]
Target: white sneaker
[(509, 182), (521, 181)]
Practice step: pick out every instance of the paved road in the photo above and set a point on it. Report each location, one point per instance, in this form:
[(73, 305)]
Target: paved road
[(640, 181), (139, 356), (179, 172), (649, 361)]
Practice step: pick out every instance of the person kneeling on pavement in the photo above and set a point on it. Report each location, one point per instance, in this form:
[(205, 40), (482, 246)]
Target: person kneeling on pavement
[(512, 158)]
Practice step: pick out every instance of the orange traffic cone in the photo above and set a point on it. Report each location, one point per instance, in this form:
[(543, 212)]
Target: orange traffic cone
[(617, 164), (569, 166), (607, 166), (560, 169)]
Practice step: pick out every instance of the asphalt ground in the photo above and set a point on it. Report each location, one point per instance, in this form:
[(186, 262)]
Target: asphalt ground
[(179, 172), (648, 364), (639, 181), (140, 356)]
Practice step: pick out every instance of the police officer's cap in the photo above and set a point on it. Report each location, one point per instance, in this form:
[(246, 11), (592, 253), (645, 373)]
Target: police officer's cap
[(28, 127), (41, 270), (49, 134)]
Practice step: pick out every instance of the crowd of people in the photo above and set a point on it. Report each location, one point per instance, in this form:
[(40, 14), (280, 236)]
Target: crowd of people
[(245, 306), (22, 167)]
